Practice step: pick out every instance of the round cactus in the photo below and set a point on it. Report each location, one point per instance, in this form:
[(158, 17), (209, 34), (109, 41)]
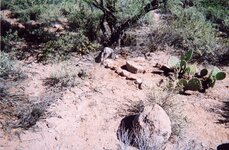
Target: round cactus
[(220, 76), (173, 61), (194, 85), (203, 72)]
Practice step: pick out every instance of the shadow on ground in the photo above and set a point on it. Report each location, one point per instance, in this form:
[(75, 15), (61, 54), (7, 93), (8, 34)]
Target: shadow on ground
[(224, 119)]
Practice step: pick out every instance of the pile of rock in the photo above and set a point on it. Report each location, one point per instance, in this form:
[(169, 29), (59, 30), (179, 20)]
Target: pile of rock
[(130, 71)]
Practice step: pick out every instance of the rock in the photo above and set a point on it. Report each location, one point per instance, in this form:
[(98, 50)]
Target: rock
[(125, 73), (138, 81), (155, 123), (131, 77), (146, 84), (107, 53), (116, 56), (108, 63), (7, 14), (134, 68), (118, 70), (152, 128)]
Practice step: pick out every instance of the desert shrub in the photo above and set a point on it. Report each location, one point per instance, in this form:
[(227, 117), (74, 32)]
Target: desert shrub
[(9, 40), (40, 10), (195, 31), (26, 10), (87, 21), (60, 47), (9, 68), (128, 8), (66, 75), (214, 10)]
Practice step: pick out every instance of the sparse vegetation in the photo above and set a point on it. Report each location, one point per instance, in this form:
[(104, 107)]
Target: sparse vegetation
[(64, 76), (47, 46), (187, 76), (9, 69)]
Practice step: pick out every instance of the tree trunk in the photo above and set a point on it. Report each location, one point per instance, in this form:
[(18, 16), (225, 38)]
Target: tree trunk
[(115, 35), (118, 29)]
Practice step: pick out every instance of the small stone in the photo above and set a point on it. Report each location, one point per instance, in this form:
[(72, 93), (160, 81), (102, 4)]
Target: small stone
[(138, 81), (131, 77), (118, 70), (134, 68), (108, 63), (125, 73), (49, 125), (116, 56)]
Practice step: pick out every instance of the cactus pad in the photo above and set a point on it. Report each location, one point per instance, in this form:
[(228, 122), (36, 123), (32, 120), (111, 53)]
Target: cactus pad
[(187, 56), (173, 61), (192, 69), (182, 82), (183, 64), (194, 85), (214, 71), (212, 82), (220, 76), (203, 72)]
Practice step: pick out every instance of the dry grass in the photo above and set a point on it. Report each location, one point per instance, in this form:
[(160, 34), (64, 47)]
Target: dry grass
[(165, 97), (137, 138), (17, 110), (65, 75), (172, 104)]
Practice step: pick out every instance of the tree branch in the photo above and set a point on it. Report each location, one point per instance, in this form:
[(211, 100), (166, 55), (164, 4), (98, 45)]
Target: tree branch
[(115, 35)]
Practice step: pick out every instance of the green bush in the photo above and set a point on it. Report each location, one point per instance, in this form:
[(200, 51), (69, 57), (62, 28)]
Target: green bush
[(37, 9), (196, 32), (214, 9), (9, 68), (9, 40), (60, 47)]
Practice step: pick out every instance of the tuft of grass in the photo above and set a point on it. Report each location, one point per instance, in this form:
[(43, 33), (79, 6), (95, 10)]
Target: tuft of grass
[(172, 105), (16, 108), (64, 76), (9, 69), (138, 138)]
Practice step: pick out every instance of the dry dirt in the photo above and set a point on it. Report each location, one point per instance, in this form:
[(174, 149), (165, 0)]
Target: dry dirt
[(87, 116)]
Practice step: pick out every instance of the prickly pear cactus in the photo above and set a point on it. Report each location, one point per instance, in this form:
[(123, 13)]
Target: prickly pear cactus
[(187, 56), (220, 76), (194, 85), (191, 69), (183, 64), (182, 82), (214, 71), (203, 72), (173, 62)]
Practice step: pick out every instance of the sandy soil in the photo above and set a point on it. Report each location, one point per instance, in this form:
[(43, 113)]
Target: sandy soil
[(87, 116)]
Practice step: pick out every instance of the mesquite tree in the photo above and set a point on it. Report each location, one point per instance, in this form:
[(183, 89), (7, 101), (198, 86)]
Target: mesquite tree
[(113, 26)]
